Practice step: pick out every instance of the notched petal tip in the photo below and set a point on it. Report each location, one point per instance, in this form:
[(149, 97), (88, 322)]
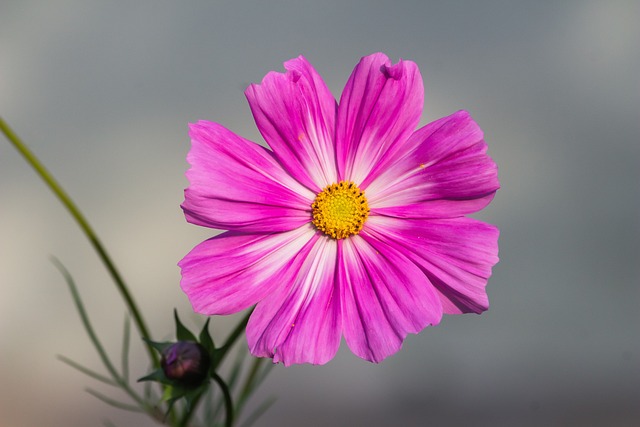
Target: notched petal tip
[(293, 75), (295, 113), (394, 72), (198, 128), (294, 70), (378, 110), (297, 64)]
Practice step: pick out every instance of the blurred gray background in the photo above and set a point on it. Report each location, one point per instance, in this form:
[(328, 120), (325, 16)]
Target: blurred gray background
[(103, 92)]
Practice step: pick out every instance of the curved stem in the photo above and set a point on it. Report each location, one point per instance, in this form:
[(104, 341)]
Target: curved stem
[(228, 403), (64, 198)]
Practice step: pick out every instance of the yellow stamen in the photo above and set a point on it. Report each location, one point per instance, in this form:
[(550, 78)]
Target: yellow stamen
[(340, 210)]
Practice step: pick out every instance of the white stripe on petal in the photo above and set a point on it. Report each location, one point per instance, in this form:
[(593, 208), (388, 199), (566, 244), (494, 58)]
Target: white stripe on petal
[(301, 323), (232, 271)]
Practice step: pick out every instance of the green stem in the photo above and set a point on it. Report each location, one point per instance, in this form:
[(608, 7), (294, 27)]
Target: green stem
[(64, 198), (228, 403), (189, 411), (233, 336), (248, 384), (221, 352)]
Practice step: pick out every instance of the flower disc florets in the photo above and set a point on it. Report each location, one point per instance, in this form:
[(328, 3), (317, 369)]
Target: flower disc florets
[(340, 210)]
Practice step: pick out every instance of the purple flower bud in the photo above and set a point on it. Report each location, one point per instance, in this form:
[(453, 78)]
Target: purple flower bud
[(186, 362)]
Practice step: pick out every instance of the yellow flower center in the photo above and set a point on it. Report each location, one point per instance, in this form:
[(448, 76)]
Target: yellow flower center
[(340, 210)]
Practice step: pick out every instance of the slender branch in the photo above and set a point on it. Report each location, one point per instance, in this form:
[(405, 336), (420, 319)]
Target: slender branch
[(64, 198)]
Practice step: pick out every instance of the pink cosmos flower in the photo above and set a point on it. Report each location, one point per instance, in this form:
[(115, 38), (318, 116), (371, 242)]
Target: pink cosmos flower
[(353, 223)]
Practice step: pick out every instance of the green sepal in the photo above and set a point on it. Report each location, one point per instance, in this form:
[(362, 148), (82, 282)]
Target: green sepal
[(171, 394), (182, 333), (158, 346), (158, 376), (216, 357), (169, 397), (205, 338)]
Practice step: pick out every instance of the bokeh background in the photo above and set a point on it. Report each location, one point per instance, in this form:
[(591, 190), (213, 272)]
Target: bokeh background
[(103, 92)]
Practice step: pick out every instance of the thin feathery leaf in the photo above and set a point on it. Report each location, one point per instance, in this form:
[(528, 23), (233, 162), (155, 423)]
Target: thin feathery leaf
[(259, 377), (126, 342), (266, 369), (257, 413), (149, 395), (87, 371), (236, 369), (92, 335), (113, 402), (85, 320), (250, 383)]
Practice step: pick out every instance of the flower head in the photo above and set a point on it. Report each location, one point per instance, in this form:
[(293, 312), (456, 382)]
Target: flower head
[(352, 223), (186, 362)]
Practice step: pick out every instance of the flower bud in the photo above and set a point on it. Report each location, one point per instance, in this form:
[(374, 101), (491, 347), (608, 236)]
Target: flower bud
[(186, 362)]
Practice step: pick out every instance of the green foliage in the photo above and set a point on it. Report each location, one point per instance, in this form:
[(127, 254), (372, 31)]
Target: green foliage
[(178, 402), (166, 409)]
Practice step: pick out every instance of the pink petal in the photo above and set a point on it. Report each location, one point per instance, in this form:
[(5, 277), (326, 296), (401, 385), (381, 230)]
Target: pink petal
[(456, 255), (380, 107), (449, 166), (295, 112), (443, 208), (300, 321), (236, 184), (384, 297), (233, 271)]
